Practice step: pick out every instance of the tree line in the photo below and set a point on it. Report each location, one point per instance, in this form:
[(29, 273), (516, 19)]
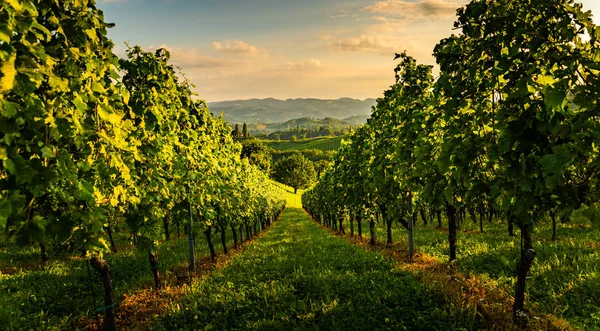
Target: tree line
[(294, 168), (304, 133)]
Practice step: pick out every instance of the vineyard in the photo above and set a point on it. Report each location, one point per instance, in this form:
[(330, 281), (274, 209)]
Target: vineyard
[(499, 154), (326, 144), (468, 201), (102, 158)]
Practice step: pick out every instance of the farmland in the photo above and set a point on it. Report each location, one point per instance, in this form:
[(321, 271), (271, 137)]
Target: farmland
[(300, 277), (325, 144), (469, 200)]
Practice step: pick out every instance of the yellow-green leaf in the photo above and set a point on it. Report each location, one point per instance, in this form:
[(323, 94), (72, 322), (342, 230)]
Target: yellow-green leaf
[(9, 72)]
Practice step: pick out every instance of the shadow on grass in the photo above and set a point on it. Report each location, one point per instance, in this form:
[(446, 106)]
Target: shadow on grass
[(59, 293), (299, 277)]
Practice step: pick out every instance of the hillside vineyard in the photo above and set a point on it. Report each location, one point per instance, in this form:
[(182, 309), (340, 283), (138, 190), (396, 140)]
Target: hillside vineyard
[(508, 131), (89, 140), (483, 180)]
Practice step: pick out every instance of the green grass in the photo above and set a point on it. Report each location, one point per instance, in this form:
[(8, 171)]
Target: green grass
[(292, 200), (325, 144), (56, 295), (33, 296), (300, 277), (565, 277)]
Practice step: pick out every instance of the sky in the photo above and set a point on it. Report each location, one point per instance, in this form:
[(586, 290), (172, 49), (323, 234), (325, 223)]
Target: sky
[(327, 49)]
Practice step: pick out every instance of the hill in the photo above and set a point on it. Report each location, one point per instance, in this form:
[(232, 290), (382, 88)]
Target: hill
[(271, 110), (309, 123), (325, 144)]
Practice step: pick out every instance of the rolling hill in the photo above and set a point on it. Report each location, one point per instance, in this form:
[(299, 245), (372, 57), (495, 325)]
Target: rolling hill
[(326, 144), (271, 110), (309, 124)]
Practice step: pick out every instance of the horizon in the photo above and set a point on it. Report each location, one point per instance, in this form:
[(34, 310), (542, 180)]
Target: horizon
[(288, 99), (329, 49)]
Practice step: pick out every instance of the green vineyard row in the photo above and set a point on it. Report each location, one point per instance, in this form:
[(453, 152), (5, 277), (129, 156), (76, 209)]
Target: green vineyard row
[(509, 130)]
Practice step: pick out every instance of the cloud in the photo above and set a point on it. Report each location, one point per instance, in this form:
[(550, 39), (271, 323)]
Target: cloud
[(292, 78), (387, 25), (399, 25), (290, 70), (306, 65), (345, 13), (235, 47), (429, 9), (191, 58), (363, 43)]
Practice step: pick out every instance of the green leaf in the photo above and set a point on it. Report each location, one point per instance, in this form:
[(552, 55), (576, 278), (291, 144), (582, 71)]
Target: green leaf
[(9, 72), (49, 152), (549, 164), (81, 106), (545, 80), (91, 33), (98, 88), (97, 226), (449, 194), (114, 119), (555, 99), (5, 33), (15, 4), (557, 162), (104, 113), (85, 191), (8, 109)]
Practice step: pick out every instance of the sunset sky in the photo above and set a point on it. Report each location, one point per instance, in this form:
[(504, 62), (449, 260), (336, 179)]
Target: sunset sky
[(243, 49)]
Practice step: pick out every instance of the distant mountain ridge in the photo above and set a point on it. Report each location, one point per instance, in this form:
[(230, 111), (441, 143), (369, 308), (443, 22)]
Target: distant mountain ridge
[(265, 111)]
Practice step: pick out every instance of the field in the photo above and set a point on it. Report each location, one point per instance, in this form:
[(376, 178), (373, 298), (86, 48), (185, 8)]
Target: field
[(325, 144), (299, 276), (564, 281), (125, 203)]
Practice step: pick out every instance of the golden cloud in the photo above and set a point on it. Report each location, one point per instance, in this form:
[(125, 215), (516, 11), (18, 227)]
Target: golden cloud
[(429, 9), (236, 47), (364, 43), (191, 58)]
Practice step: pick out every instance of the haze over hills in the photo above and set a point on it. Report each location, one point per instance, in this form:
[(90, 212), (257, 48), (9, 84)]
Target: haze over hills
[(309, 123), (271, 110)]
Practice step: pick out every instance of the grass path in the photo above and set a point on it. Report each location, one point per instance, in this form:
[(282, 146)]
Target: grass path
[(300, 277)]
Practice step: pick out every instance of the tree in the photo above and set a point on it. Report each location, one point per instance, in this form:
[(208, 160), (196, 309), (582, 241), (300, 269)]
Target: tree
[(294, 138), (257, 153), (510, 126), (61, 110), (236, 132), (245, 133), (88, 139), (320, 166), (533, 79), (295, 171)]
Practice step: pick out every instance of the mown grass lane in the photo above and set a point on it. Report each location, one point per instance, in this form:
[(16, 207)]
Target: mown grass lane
[(300, 277)]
